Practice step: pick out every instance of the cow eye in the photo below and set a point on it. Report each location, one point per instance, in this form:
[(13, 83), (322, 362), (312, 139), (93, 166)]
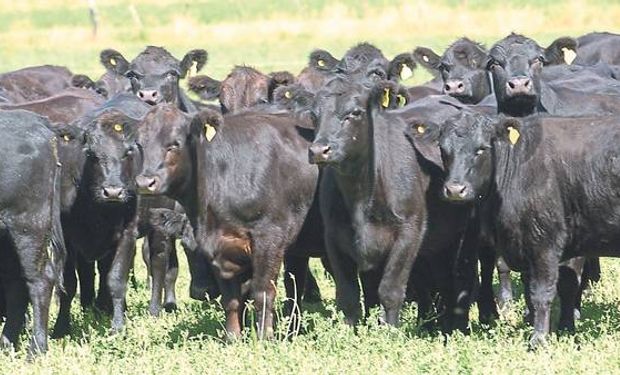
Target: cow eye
[(172, 74), (481, 150), (131, 74), (492, 64), (173, 146), (355, 114)]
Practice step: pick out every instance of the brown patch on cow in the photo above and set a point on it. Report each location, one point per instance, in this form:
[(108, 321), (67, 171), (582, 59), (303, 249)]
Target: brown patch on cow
[(233, 255)]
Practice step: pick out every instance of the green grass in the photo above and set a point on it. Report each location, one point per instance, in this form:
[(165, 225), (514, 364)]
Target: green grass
[(277, 35)]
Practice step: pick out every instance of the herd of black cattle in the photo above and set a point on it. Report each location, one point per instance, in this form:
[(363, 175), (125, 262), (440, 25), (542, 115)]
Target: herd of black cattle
[(508, 158)]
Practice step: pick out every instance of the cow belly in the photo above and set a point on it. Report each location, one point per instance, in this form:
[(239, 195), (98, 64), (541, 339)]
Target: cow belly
[(373, 245)]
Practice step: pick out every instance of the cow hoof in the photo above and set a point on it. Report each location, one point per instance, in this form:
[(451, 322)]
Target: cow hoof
[(170, 307), (538, 340), (5, 344), (154, 311), (60, 332)]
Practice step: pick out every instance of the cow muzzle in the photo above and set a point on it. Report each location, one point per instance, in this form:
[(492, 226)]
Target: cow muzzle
[(456, 191), (151, 97), (148, 184), (454, 87), (113, 193), (319, 153), (519, 86)]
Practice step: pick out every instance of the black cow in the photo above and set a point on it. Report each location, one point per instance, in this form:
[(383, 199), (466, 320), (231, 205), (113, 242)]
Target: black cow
[(381, 204), (154, 74), (598, 47), (539, 219), (462, 69), (33, 83), (100, 204), (30, 226), (516, 63), (246, 187)]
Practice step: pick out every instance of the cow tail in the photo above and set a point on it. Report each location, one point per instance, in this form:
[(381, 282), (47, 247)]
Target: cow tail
[(59, 249)]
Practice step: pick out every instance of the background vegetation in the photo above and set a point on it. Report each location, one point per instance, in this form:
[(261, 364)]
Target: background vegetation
[(278, 35)]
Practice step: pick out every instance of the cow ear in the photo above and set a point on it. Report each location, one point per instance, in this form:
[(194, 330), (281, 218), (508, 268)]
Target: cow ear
[(278, 79), (428, 59), (509, 130), (322, 60), (387, 95), (425, 139), (561, 51), (198, 56), (66, 133), (205, 87), (282, 78), (113, 61), (206, 124), (294, 98), (401, 67), (82, 81)]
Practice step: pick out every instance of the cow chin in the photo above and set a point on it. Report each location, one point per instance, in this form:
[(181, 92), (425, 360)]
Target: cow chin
[(519, 105)]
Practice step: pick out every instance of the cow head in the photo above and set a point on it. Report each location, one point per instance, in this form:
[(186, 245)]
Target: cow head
[(467, 153), (344, 112), (154, 74), (71, 153), (462, 69), (165, 135), (112, 155), (516, 63)]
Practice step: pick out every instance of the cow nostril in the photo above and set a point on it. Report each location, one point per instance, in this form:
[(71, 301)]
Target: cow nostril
[(141, 94), (105, 193), (326, 150), (511, 84), (527, 83), (462, 190), (152, 183), (154, 94), (460, 86), (447, 87)]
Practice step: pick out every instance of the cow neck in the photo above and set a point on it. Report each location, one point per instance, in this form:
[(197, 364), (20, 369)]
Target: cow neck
[(366, 186), (187, 192), (511, 165)]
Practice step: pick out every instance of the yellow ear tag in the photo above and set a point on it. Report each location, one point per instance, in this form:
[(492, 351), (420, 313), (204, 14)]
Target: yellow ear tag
[(385, 101), (421, 129), (118, 128), (66, 138), (569, 55), (425, 58), (113, 62), (405, 72), (288, 95), (320, 63), (513, 135), (401, 100), (209, 132)]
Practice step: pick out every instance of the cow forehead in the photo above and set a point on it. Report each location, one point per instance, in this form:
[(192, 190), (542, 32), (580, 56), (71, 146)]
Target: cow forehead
[(155, 60)]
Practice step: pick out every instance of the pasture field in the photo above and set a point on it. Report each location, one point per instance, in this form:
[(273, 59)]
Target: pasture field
[(278, 35)]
